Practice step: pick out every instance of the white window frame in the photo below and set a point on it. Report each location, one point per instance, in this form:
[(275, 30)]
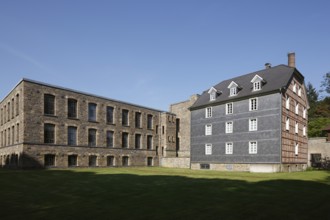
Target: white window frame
[(296, 148), (287, 124), (208, 129), (229, 127), (233, 91), (299, 91), (208, 112), (296, 128), (294, 87), (253, 147), (253, 124), (304, 130), (257, 86), (304, 113), (212, 96), (229, 147), (208, 149), (227, 108), (253, 106), (287, 102), (297, 108)]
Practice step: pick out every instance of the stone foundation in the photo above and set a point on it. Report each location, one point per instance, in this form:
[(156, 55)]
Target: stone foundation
[(175, 162)]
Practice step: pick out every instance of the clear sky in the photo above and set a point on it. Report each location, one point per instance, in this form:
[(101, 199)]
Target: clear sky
[(157, 52)]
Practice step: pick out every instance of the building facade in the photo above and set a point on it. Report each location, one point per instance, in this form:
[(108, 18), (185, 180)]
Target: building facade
[(255, 122), (43, 125)]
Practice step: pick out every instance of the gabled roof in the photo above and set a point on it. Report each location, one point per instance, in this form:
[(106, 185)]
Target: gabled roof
[(277, 78)]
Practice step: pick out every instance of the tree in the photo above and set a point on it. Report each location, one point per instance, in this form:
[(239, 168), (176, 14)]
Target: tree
[(312, 96), (325, 84)]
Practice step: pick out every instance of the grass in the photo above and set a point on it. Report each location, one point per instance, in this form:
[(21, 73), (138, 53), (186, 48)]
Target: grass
[(161, 193)]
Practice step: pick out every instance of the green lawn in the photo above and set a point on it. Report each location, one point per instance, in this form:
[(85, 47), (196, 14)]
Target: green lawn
[(160, 193)]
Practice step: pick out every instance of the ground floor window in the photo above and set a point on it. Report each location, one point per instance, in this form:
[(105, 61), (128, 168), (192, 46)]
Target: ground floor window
[(49, 160), (110, 161), (205, 166), (316, 160), (149, 161), (72, 160), (125, 161), (92, 162)]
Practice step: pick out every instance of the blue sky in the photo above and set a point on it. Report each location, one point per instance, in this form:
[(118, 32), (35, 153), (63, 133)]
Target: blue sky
[(157, 52)]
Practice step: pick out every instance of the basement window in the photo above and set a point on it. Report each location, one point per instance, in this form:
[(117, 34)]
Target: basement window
[(204, 166)]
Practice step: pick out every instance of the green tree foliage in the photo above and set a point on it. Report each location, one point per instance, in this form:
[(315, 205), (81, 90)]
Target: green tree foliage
[(316, 125), (325, 84), (312, 96)]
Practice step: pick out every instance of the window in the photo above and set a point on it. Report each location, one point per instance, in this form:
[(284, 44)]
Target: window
[(233, 91), (304, 113), (287, 102), (124, 117), (253, 124), (110, 115), (109, 138), (229, 108), (229, 127), (299, 91), (1, 116), (149, 142), (12, 108), (49, 160), (17, 104), (17, 133), (296, 148), (304, 130), (208, 129), (124, 140), (229, 148), (204, 166), (125, 161), (8, 108), (253, 147), (297, 108), (256, 85), (72, 108), (137, 141), (163, 129), (92, 112), (49, 104), (296, 127), (110, 161), (72, 160), (92, 137), (294, 87), (208, 149), (138, 119), (149, 161), (287, 124), (208, 112), (49, 133), (213, 96), (92, 161), (149, 121), (253, 104), (72, 136)]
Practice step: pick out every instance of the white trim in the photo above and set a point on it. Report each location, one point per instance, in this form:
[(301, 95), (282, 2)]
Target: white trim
[(232, 108), (287, 124), (287, 102), (253, 106), (229, 127), (296, 128), (229, 147), (253, 147), (208, 149), (296, 148), (208, 112), (208, 129), (253, 124)]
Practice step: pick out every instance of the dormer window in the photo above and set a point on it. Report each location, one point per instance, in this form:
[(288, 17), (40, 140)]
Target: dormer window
[(213, 94), (257, 82), (233, 88)]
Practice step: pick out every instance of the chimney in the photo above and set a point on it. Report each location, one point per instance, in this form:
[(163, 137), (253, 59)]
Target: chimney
[(268, 65), (292, 59)]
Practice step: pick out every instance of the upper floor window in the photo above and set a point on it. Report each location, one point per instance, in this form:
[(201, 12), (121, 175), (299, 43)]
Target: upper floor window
[(213, 94), (208, 112), (125, 117), (287, 102), (92, 112), (297, 108), (294, 87), (17, 104), (296, 148), (72, 108), (137, 141), (49, 104), (92, 137), (229, 127), (110, 115), (208, 129), (304, 113), (299, 91), (109, 138), (296, 128), (253, 147), (304, 130), (229, 108), (124, 140), (253, 104), (233, 87), (229, 147), (72, 136), (149, 121), (253, 124), (257, 82), (138, 119), (149, 142), (49, 133), (287, 124), (208, 149)]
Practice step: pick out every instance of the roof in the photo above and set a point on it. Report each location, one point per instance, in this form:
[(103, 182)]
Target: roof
[(274, 79)]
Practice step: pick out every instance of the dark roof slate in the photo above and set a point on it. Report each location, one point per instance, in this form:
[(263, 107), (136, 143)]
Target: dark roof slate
[(275, 79)]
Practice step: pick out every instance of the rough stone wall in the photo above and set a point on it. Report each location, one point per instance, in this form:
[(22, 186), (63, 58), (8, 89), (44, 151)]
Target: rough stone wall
[(183, 115), (175, 162), (318, 146), (168, 133)]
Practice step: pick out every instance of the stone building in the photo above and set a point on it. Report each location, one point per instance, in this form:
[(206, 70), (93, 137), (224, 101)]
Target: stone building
[(255, 122), (43, 125)]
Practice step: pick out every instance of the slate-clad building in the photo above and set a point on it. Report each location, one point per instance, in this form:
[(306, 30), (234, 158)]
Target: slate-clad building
[(254, 122)]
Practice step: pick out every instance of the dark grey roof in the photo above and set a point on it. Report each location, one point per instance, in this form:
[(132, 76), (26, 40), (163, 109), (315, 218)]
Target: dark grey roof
[(275, 78)]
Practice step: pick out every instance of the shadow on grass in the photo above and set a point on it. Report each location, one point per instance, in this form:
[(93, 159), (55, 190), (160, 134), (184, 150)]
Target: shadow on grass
[(67, 194)]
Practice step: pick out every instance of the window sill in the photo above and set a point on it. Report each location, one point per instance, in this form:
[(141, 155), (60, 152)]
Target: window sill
[(93, 121), (108, 123), (72, 118), (125, 125), (54, 116)]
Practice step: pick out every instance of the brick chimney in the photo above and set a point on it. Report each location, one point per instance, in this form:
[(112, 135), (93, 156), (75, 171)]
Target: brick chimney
[(292, 59)]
